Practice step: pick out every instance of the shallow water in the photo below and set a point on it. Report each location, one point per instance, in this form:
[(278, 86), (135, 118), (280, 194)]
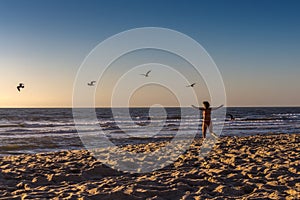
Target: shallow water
[(42, 129)]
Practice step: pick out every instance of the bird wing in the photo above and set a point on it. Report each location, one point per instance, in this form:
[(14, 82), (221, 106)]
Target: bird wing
[(148, 72), (18, 87)]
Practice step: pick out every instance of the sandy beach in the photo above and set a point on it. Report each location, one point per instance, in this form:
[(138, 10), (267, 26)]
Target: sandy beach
[(254, 167)]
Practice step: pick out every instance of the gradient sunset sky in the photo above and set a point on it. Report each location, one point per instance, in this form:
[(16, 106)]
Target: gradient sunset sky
[(255, 44)]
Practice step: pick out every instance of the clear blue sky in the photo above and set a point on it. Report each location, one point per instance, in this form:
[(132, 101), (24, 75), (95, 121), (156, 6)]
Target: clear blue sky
[(255, 44)]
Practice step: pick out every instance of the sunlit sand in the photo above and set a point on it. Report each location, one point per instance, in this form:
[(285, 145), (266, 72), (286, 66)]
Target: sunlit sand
[(237, 167)]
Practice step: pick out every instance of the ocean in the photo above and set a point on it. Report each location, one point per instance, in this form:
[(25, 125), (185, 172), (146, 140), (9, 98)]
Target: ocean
[(33, 130)]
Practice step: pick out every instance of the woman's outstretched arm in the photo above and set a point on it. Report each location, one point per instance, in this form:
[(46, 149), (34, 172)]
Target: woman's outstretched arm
[(198, 108), (215, 108)]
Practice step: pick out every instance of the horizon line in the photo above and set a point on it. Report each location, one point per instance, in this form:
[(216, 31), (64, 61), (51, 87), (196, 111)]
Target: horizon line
[(69, 107)]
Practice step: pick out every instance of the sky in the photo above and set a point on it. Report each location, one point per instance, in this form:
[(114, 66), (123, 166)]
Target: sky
[(254, 43)]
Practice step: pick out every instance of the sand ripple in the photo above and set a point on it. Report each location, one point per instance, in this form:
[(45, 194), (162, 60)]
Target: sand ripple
[(256, 167)]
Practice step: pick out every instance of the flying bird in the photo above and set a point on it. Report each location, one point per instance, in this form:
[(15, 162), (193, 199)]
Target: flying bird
[(147, 74), (92, 83), (192, 85), (21, 85)]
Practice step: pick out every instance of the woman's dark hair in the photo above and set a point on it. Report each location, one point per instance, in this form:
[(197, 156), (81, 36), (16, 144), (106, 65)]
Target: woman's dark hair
[(206, 104)]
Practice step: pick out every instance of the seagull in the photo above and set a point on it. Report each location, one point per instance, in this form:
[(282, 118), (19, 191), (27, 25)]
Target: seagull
[(231, 116), (147, 74), (21, 85), (192, 85), (92, 83)]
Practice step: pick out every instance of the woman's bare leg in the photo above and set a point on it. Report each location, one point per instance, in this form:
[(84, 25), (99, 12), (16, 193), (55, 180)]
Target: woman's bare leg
[(210, 127), (204, 127)]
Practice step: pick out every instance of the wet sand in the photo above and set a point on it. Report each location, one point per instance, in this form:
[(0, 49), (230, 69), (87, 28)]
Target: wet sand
[(255, 167)]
